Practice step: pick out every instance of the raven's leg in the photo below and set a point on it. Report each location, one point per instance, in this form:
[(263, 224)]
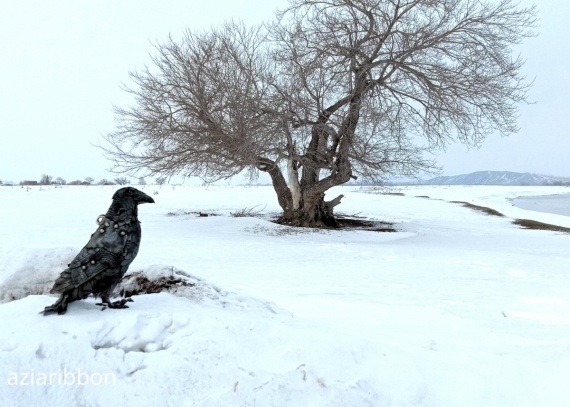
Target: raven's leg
[(106, 303), (60, 306)]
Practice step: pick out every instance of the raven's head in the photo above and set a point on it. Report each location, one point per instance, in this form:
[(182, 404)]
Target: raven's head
[(130, 193)]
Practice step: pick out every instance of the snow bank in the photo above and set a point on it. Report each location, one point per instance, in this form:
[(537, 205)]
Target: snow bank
[(37, 269), (162, 278), (32, 271)]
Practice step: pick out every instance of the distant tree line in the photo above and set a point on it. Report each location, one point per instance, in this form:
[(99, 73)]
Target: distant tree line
[(46, 179), (559, 183)]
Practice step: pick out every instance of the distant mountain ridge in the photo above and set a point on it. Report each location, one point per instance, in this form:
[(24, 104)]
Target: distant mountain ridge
[(498, 178)]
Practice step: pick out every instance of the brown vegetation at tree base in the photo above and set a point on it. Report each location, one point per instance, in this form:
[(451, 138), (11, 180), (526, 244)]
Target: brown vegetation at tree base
[(352, 223)]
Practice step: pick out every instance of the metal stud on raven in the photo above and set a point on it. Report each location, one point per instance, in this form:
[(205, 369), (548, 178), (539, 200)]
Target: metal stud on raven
[(101, 264)]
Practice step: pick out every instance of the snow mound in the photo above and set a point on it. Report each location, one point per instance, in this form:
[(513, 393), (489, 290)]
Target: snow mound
[(163, 278), (36, 270), (33, 271)]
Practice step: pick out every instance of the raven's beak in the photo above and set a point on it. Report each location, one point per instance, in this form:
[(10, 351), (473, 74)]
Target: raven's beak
[(144, 198)]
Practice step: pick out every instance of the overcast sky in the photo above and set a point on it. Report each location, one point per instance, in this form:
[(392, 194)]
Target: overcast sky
[(63, 62)]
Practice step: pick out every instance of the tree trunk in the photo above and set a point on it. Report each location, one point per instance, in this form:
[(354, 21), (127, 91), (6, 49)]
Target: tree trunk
[(283, 192), (294, 185), (314, 212)]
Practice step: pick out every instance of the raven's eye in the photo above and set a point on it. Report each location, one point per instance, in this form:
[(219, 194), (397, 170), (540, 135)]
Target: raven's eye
[(129, 192)]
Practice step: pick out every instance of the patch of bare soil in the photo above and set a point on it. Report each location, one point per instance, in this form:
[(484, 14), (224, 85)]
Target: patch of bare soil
[(356, 223), (535, 225), (345, 222), (195, 213), (484, 209), (146, 286)]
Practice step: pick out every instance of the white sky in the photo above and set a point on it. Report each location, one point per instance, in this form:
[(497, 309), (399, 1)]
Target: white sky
[(63, 62)]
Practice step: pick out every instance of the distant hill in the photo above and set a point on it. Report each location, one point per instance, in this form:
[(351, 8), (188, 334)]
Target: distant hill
[(498, 178)]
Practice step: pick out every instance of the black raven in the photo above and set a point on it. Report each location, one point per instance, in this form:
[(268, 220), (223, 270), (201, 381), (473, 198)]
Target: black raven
[(103, 261)]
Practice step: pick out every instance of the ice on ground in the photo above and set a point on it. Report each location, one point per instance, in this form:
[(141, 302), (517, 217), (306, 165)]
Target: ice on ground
[(558, 204)]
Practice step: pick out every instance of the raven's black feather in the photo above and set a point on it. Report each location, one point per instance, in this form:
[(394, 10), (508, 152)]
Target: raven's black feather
[(103, 261)]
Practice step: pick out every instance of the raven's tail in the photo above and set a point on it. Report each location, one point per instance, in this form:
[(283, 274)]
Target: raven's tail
[(63, 282), (60, 306)]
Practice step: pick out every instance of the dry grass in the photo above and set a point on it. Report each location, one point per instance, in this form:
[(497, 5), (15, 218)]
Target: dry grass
[(535, 225), (523, 223), (484, 209), (252, 212)]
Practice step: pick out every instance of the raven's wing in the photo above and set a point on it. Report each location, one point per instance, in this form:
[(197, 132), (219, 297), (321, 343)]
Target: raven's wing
[(106, 252)]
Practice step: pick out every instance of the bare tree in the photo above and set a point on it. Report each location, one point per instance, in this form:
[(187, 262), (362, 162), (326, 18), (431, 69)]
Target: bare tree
[(121, 181), (60, 181), (160, 181), (89, 180), (46, 180), (332, 90), (105, 181)]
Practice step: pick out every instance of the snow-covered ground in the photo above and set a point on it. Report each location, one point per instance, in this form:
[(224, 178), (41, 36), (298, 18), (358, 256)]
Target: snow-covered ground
[(457, 308)]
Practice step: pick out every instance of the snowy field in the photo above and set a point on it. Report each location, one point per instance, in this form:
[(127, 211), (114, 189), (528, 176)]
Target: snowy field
[(456, 308)]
